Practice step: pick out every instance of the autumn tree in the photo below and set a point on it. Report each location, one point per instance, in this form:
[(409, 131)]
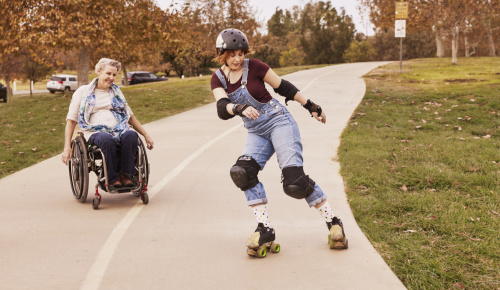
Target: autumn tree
[(445, 18), (14, 33), (139, 36), (34, 67), (360, 51), (82, 25), (324, 33), (201, 22)]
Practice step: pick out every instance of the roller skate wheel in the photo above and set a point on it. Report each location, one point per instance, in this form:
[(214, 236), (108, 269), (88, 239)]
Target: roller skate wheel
[(275, 248), (262, 252)]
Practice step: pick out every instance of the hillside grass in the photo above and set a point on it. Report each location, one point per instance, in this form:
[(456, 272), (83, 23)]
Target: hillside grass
[(421, 163)]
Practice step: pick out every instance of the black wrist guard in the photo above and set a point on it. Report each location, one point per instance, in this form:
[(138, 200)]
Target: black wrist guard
[(238, 109), (312, 107), (287, 90), (221, 109)]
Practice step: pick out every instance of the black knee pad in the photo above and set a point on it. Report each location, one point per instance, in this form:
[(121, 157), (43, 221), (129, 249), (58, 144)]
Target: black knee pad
[(296, 183), (244, 172)]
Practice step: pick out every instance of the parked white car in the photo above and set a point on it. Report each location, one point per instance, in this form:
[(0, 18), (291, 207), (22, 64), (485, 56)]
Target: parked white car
[(62, 83)]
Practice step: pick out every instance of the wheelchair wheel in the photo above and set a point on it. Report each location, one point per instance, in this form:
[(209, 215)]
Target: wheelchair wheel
[(143, 164), (78, 169)]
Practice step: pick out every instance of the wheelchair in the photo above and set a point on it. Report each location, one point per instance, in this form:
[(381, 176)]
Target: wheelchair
[(86, 158)]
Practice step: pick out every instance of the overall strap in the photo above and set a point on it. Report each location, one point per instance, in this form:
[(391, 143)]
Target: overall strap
[(222, 79), (245, 73)]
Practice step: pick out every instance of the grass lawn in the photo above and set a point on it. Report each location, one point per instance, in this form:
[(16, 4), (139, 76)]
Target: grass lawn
[(421, 164)]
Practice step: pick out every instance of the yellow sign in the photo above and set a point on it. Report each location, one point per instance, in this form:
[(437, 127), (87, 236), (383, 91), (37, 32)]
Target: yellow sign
[(401, 10)]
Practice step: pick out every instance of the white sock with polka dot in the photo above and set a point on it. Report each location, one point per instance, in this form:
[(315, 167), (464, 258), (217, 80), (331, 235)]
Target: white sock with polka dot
[(261, 216), (326, 211)]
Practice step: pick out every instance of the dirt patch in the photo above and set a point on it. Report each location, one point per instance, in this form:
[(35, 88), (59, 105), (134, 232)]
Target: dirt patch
[(463, 81)]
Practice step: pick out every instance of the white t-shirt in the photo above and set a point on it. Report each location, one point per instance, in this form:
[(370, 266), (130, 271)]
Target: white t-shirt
[(101, 113)]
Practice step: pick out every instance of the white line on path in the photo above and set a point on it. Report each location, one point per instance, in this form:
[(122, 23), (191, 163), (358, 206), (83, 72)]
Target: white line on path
[(96, 272)]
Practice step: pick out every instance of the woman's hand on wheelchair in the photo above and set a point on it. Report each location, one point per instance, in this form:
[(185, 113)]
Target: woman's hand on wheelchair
[(149, 142), (66, 155)]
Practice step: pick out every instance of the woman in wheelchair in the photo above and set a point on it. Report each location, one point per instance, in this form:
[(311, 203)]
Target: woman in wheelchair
[(104, 118)]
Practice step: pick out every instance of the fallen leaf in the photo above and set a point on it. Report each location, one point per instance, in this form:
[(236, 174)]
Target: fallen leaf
[(487, 136), (410, 231), (404, 188), (34, 149), (2, 163), (5, 142), (472, 219), (460, 285), (494, 212)]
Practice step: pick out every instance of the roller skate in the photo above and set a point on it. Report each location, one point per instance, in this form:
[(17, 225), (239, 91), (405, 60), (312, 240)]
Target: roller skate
[(261, 241), (336, 238)]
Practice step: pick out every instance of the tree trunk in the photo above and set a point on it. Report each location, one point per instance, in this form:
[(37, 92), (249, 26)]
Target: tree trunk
[(491, 43), (454, 44), (466, 45), (83, 65), (9, 89), (125, 78), (439, 43)]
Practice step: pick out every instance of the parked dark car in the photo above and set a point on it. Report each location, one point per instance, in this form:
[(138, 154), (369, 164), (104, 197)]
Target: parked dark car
[(3, 93), (139, 77)]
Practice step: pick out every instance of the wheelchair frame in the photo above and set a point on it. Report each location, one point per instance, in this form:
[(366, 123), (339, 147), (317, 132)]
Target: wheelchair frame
[(85, 158)]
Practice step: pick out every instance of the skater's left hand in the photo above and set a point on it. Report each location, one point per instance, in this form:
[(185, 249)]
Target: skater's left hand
[(321, 118)]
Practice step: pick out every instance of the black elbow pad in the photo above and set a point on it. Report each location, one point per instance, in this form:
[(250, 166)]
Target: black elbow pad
[(287, 90), (221, 109)]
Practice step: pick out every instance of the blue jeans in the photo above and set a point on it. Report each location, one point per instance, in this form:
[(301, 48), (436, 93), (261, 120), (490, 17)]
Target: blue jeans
[(128, 147), (275, 131)]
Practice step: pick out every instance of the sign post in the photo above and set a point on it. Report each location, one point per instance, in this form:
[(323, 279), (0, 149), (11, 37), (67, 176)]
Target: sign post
[(400, 28)]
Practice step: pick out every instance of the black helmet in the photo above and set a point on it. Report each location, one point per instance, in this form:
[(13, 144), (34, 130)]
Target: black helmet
[(231, 39)]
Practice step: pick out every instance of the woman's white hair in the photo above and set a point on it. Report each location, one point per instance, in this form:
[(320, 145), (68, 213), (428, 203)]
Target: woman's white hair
[(103, 62)]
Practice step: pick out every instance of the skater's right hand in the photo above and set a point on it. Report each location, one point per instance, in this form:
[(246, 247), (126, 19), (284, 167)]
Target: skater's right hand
[(251, 113), (321, 118)]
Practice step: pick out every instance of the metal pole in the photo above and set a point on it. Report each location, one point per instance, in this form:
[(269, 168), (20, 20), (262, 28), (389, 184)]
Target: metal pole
[(401, 55)]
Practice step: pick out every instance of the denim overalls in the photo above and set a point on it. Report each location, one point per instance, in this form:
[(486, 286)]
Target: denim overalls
[(274, 130)]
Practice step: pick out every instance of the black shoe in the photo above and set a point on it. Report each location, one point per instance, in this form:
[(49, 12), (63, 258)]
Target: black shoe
[(261, 236)]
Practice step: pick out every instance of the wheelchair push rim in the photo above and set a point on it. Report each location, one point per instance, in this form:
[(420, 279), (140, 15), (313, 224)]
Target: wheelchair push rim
[(78, 169)]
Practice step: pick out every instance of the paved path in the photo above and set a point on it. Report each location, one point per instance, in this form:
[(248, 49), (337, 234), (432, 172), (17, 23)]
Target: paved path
[(192, 233)]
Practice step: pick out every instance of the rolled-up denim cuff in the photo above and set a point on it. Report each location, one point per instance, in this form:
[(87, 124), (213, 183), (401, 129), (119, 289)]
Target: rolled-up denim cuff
[(257, 201), (316, 197)]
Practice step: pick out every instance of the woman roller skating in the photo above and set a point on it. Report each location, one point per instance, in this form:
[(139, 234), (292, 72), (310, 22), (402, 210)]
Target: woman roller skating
[(239, 88)]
